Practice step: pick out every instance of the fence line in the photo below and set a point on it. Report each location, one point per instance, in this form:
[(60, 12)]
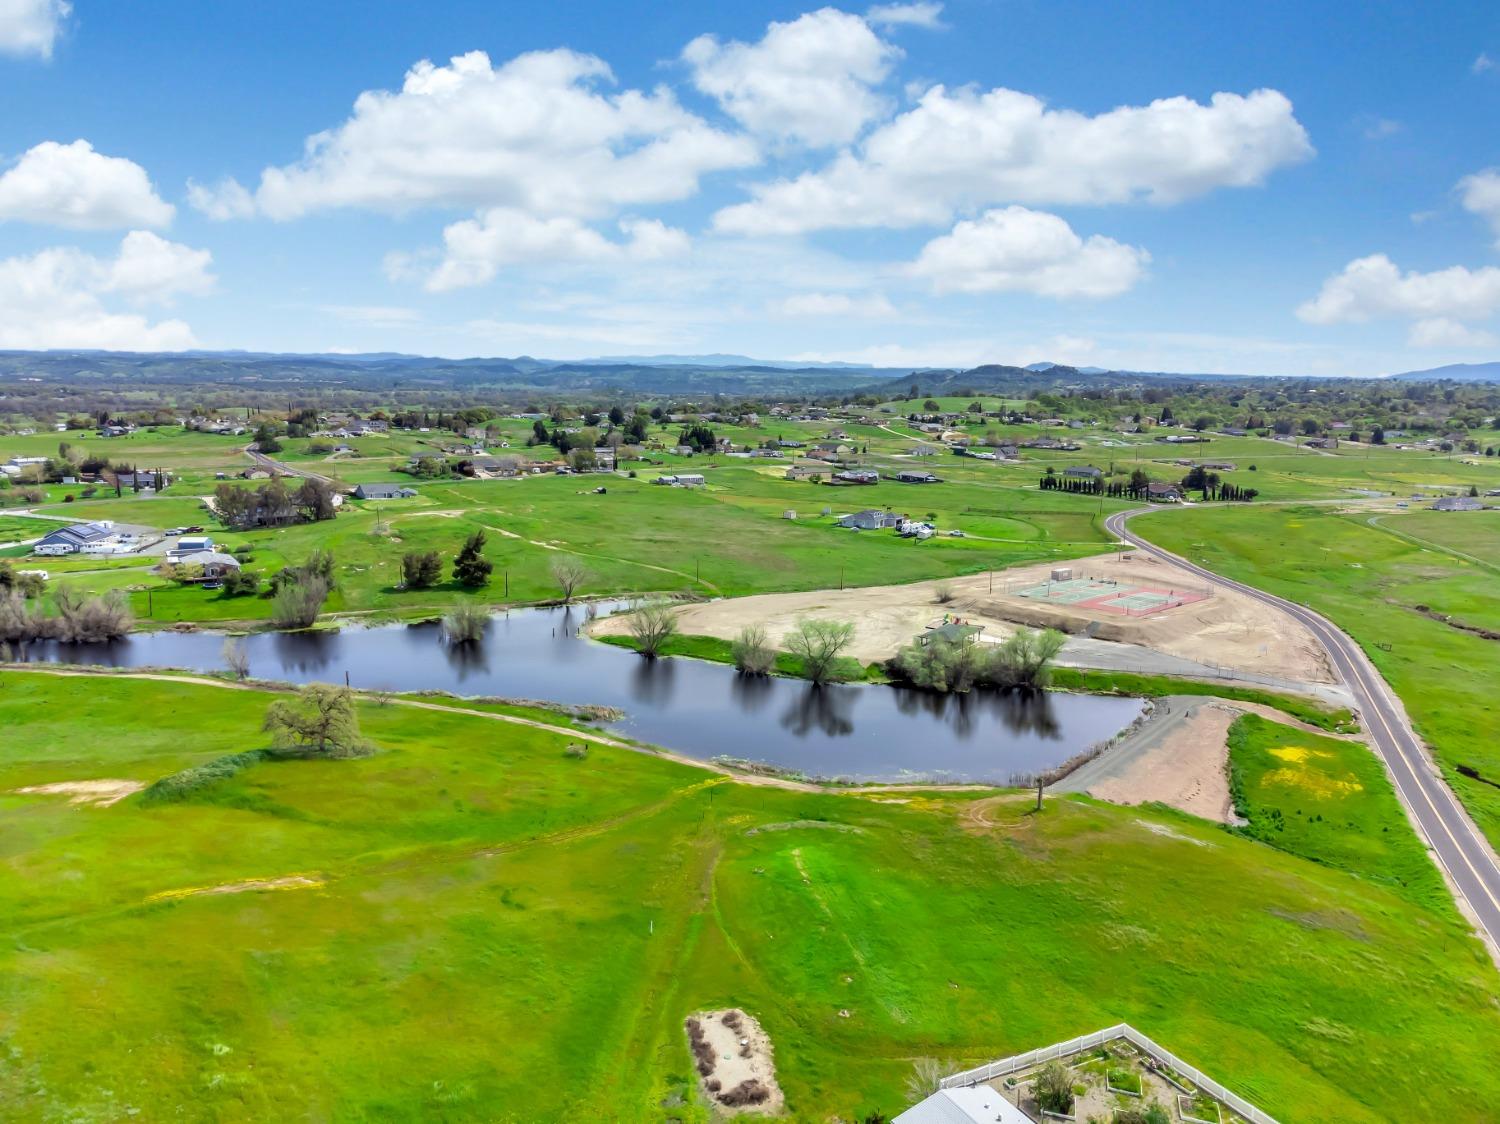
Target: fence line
[(1014, 1064)]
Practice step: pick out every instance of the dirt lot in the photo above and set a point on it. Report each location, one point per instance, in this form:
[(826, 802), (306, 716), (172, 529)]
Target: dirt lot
[(1228, 629), (1186, 768), (737, 1055)]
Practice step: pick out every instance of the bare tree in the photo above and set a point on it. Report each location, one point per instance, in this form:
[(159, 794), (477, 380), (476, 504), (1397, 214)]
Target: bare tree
[(91, 620), (652, 625), (236, 658), (752, 653), (569, 573), (297, 603), (322, 723), (819, 644)]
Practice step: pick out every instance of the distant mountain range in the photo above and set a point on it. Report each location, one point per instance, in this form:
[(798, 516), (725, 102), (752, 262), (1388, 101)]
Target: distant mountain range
[(1455, 372), (696, 375)]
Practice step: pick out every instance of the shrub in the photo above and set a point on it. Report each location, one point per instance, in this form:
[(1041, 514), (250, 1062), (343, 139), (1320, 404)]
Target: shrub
[(181, 785), (91, 620), (747, 1092), (819, 643), (241, 583), (21, 621), (926, 1078), (751, 653), (1054, 1088), (421, 569), (577, 751), (465, 623), (297, 603), (652, 625)]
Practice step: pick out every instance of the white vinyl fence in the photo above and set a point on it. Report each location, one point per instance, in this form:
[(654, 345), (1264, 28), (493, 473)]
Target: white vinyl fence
[(1006, 1066)]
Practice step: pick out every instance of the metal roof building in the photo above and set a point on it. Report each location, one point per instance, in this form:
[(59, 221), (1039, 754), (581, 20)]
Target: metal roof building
[(974, 1104)]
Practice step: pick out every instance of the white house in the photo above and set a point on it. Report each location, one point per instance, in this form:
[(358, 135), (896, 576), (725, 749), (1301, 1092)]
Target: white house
[(975, 1104)]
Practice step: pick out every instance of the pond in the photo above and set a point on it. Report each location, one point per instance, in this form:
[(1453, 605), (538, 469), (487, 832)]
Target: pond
[(865, 732)]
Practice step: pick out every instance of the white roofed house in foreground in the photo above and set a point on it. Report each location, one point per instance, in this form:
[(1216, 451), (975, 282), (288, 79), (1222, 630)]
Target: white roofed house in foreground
[(972, 1105)]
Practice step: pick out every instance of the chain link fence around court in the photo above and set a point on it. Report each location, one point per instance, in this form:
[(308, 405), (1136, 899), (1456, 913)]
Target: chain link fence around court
[(1061, 1050), (1090, 592)]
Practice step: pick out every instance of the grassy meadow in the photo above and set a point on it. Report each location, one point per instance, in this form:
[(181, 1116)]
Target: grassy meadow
[(487, 927), (1384, 589)]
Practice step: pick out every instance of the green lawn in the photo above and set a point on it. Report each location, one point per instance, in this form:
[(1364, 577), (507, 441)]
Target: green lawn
[(1374, 584), (497, 930), (1330, 801)]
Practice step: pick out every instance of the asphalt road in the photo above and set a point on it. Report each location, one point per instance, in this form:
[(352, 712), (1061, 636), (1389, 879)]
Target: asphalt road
[(269, 465), (1457, 843)]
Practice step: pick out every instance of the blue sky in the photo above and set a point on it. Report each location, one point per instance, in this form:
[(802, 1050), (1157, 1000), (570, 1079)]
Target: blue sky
[(1270, 188)]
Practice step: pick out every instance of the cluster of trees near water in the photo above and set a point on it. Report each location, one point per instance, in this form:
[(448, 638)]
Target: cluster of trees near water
[(74, 619)]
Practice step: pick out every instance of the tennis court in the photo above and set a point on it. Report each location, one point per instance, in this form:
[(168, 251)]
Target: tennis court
[(1110, 596)]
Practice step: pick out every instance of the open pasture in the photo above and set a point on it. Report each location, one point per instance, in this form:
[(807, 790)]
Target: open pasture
[(461, 903)]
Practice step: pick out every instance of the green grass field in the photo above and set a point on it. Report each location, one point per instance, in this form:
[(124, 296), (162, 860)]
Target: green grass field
[(1373, 584), (496, 930), (1330, 801)]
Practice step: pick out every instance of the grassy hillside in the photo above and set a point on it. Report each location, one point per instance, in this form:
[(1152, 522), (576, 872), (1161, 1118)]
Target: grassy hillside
[(491, 928)]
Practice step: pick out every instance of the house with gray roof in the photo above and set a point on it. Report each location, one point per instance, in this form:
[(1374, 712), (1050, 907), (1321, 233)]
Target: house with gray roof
[(383, 492)]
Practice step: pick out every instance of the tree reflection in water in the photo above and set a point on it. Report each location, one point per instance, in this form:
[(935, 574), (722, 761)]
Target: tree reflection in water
[(651, 681), (1019, 711), (750, 692), (309, 650), (824, 709)]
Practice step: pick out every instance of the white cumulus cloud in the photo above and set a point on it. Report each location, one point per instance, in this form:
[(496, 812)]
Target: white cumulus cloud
[(73, 186), (1015, 249), (811, 79), (476, 249), (1442, 332), (967, 148), (536, 133), (1480, 195), (31, 27), (56, 298), (1374, 286)]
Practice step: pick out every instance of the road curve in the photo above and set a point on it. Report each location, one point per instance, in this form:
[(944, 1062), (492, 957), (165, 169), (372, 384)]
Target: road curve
[(269, 465), (1470, 864)]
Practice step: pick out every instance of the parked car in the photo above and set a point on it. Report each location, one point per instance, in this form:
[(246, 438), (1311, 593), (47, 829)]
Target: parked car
[(215, 584), (173, 531), (193, 530), (956, 534)]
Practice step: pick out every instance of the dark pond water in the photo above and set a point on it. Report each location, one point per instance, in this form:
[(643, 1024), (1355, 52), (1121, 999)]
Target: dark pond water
[(866, 732)]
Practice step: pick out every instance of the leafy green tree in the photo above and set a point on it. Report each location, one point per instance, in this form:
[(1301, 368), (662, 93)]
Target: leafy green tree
[(421, 569), (266, 440), (321, 723), (471, 568), (819, 644)]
